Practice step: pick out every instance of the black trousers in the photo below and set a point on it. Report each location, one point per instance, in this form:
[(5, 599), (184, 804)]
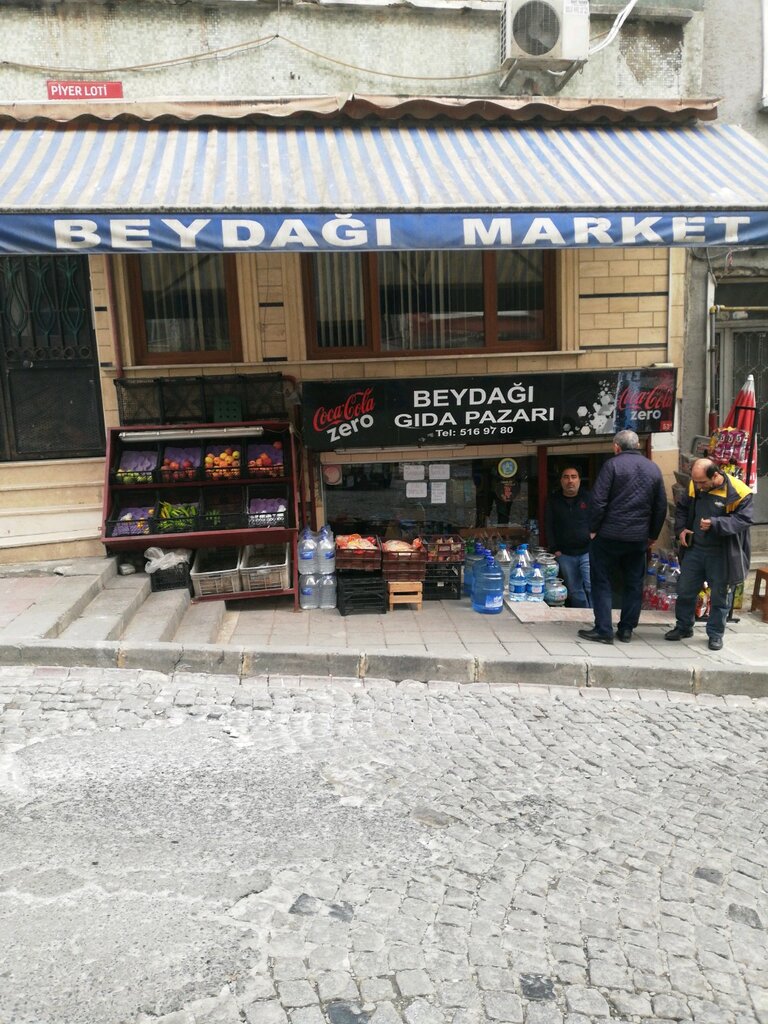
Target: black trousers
[(629, 556)]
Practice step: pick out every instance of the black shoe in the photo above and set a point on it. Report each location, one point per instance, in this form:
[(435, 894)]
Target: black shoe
[(625, 635), (599, 638), (678, 634), (715, 643)]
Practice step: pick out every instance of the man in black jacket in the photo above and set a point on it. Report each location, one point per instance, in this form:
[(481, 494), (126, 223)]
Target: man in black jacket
[(626, 513), (712, 523), (567, 530)]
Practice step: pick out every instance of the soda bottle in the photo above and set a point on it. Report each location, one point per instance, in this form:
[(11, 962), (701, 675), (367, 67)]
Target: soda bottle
[(309, 592), (660, 598), (307, 552), (518, 584), (326, 552), (488, 587), (649, 584), (504, 560), (672, 581), (327, 590)]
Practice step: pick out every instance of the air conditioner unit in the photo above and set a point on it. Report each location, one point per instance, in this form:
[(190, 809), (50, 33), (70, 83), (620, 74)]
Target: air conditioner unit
[(544, 33)]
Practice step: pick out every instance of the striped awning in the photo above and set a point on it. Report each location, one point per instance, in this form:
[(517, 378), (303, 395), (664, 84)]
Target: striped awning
[(102, 172)]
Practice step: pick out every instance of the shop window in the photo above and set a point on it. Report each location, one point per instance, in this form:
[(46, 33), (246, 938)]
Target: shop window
[(417, 303), (184, 308)]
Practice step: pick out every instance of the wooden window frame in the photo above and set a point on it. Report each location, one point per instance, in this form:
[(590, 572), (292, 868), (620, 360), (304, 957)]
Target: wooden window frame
[(547, 343), (142, 355)]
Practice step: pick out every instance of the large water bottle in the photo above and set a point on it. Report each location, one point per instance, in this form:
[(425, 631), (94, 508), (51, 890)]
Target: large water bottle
[(326, 552), (327, 588), (673, 578), (488, 588), (307, 552), (518, 584), (471, 560), (535, 584), (478, 567), (504, 560), (309, 592)]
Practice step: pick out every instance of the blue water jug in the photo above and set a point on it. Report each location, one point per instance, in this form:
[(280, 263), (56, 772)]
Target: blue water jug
[(469, 566), (488, 590)]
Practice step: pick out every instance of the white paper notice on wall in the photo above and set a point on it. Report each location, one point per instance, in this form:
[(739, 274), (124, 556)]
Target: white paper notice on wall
[(413, 471), (416, 490), (438, 493), (439, 471)]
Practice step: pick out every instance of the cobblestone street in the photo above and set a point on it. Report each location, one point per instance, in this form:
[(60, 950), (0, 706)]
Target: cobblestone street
[(200, 849)]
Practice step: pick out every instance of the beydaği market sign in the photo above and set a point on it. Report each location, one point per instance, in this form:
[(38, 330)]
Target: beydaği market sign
[(486, 410)]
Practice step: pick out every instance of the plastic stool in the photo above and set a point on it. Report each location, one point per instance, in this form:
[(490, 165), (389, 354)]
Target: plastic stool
[(760, 593), (405, 592)]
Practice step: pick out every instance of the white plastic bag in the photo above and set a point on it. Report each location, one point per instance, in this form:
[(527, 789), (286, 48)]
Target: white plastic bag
[(158, 558)]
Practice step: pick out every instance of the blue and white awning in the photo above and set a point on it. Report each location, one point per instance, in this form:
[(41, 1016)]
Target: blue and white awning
[(154, 187)]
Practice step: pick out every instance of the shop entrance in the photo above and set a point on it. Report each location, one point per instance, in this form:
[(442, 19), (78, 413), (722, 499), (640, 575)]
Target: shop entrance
[(50, 405)]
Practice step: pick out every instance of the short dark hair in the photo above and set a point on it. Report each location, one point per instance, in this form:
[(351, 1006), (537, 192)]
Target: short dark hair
[(627, 440)]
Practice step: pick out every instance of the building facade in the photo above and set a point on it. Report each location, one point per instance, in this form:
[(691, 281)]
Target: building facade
[(433, 125)]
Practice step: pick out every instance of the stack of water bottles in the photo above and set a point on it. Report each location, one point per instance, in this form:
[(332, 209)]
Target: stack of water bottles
[(317, 568), (487, 580), (660, 585)]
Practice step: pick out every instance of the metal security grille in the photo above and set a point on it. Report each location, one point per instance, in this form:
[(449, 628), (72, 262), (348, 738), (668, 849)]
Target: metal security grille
[(51, 400)]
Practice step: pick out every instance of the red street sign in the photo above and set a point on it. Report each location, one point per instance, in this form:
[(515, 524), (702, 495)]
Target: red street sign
[(85, 90)]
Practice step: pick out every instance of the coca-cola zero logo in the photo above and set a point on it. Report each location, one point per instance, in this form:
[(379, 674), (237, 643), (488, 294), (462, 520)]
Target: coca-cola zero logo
[(346, 418)]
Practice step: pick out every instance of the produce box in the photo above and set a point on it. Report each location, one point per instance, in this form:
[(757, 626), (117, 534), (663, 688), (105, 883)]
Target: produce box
[(359, 595), (444, 547), (266, 459), (175, 516), (175, 578), (180, 464), (265, 567), (222, 510), (222, 461), (135, 467), (215, 571), (358, 559), (265, 510), (129, 518), (403, 563)]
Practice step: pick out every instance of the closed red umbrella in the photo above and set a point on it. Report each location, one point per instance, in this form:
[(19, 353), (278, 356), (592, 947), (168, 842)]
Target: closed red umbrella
[(736, 440)]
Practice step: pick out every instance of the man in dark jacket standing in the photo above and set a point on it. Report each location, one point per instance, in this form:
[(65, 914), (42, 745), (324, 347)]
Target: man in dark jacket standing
[(567, 529), (626, 513), (712, 522)]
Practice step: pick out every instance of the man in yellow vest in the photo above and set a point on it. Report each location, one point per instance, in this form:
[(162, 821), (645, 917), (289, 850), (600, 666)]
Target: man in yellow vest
[(712, 522)]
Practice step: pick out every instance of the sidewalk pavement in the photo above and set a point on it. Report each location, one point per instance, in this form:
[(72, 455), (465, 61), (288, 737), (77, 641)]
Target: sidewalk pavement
[(54, 614)]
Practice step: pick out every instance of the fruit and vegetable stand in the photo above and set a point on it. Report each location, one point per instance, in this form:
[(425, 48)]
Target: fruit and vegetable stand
[(204, 487)]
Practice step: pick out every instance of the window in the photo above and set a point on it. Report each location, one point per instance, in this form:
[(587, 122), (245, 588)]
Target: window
[(418, 303), (184, 308)]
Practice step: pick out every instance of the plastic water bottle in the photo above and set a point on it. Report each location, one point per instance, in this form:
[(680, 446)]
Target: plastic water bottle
[(307, 552), (535, 584), (504, 560), (327, 589), (672, 581), (478, 567), (524, 554), (309, 592), (488, 588), (326, 552), (518, 584)]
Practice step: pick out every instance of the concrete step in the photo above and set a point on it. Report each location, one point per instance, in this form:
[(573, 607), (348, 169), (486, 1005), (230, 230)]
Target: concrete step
[(55, 472), (201, 623), (49, 549), (64, 592), (159, 616), (109, 613), (70, 495), (60, 521)]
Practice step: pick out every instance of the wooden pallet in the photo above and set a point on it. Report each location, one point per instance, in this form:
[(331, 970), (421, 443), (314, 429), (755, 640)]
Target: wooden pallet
[(405, 592)]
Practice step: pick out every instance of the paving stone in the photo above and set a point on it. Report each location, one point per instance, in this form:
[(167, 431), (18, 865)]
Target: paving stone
[(587, 1001), (503, 1006)]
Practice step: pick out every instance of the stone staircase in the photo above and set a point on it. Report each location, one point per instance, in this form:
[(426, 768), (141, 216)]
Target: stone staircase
[(55, 519), (86, 601)]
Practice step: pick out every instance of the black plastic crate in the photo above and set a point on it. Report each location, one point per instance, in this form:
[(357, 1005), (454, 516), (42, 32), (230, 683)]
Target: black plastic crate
[(204, 399), (351, 584), (370, 605), (442, 583), (175, 578)]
